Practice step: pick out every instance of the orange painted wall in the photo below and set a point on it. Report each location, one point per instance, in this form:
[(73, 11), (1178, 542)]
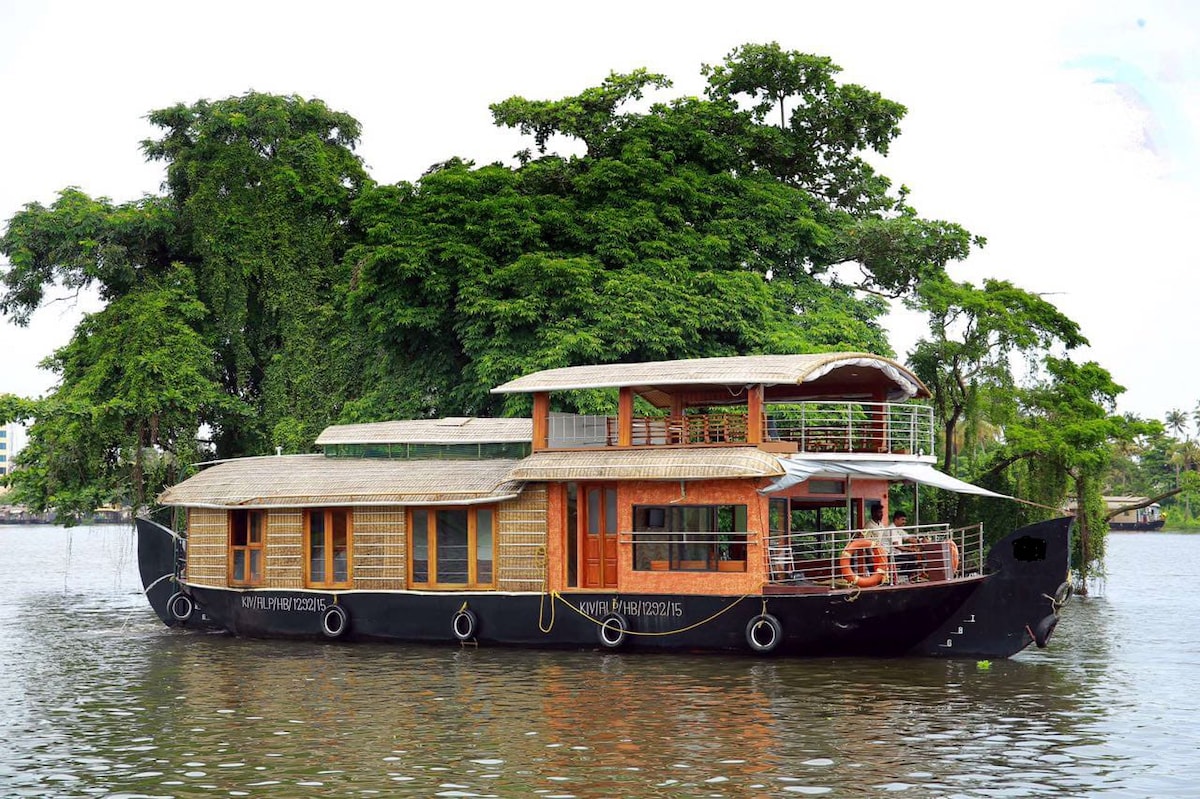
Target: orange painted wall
[(673, 492)]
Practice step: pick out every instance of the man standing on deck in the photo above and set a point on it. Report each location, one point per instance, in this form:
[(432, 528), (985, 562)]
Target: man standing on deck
[(893, 541)]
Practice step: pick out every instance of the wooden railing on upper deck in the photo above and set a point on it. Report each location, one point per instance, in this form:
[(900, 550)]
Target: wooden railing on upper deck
[(816, 427)]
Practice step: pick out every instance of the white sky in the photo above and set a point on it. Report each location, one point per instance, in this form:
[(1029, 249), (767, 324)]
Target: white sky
[(1066, 132)]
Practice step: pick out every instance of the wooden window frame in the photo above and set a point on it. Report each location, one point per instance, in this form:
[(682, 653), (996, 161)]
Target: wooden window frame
[(327, 519), (248, 549), (472, 547)]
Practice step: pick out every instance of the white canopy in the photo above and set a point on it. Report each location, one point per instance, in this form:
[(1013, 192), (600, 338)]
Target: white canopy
[(798, 470)]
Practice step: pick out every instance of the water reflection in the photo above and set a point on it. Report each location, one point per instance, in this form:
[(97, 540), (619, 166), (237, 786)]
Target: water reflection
[(99, 698)]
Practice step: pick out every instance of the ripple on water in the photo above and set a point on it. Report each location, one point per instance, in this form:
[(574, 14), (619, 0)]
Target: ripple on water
[(100, 699)]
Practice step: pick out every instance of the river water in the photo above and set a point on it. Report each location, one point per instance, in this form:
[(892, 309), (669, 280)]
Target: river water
[(98, 699)]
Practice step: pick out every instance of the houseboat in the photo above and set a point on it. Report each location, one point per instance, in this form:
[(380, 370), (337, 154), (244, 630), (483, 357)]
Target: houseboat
[(727, 505), (1130, 513)]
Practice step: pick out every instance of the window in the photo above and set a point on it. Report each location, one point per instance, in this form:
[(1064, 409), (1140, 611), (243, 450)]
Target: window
[(329, 542), (689, 538), (247, 535), (452, 547)]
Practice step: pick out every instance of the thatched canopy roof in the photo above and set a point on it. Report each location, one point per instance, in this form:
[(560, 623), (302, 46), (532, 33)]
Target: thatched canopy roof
[(451, 430), (649, 464), (786, 378), (290, 481)]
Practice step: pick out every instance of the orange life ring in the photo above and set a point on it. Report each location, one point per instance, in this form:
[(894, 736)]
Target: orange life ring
[(879, 561), (953, 558)]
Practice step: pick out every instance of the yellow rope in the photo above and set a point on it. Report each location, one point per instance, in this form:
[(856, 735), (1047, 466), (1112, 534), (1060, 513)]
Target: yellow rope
[(541, 553), (598, 622)]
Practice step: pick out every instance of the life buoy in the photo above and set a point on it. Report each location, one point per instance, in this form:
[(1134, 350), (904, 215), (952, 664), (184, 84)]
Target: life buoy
[(181, 607), (953, 558), (879, 563), (763, 633), (463, 625), (335, 622), (613, 629)]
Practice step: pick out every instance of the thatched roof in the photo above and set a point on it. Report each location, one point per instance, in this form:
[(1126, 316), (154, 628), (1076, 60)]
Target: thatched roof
[(452, 430), (848, 371), (649, 464), (291, 481)]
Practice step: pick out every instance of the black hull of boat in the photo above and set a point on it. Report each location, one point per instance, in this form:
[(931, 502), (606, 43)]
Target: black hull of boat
[(993, 615)]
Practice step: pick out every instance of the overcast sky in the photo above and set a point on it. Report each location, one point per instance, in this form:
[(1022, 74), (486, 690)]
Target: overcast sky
[(1065, 132)]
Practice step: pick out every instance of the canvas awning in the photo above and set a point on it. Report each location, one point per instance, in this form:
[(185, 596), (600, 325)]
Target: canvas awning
[(797, 470)]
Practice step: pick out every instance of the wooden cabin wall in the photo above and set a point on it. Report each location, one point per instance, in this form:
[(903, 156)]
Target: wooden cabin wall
[(284, 549), (380, 548), (521, 540), (699, 492), (207, 547)]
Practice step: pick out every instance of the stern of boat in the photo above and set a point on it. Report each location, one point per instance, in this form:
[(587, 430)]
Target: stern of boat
[(160, 553)]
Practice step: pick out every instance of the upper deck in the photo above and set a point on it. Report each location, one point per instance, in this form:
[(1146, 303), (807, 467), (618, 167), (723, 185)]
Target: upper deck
[(828, 403)]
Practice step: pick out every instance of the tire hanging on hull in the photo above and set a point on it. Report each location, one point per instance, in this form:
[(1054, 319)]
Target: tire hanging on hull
[(613, 630), (1044, 629), (181, 607), (463, 625), (335, 622), (763, 633)]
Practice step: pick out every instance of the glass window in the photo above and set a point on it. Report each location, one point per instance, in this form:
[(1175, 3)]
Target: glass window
[(247, 536), (330, 543), (452, 547), (420, 546), (689, 538)]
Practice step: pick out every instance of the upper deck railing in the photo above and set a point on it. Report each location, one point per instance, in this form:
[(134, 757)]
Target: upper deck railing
[(817, 427)]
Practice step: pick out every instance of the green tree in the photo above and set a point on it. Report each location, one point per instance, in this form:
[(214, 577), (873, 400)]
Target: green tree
[(136, 382), (1065, 435), (973, 333), (259, 189), (692, 228)]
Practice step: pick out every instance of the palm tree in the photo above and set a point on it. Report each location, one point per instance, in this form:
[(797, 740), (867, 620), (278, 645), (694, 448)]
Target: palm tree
[(1177, 421), (1196, 417), (1186, 456)]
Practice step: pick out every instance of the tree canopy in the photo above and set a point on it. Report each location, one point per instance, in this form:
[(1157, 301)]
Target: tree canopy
[(274, 288)]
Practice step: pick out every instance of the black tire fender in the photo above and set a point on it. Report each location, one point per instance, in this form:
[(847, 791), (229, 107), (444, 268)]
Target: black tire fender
[(763, 633), (1044, 629), (613, 630), (464, 625), (1063, 594), (335, 621), (181, 607)]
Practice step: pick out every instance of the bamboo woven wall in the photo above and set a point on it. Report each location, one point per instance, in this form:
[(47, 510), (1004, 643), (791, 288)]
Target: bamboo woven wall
[(380, 543), (208, 536), (284, 549), (522, 540), (379, 546)]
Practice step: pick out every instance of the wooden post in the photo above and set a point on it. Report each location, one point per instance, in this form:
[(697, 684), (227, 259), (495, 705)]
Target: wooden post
[(541, 420), (754, 414), (625, 417)]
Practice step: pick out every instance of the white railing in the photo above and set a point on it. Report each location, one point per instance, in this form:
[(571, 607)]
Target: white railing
[(659, 550), (930, 553), (840, 427)]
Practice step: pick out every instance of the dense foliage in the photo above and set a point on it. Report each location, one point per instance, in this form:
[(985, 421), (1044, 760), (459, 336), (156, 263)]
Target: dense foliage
[(273, 288)]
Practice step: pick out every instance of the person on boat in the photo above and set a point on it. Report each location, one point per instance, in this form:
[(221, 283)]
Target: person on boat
[(894, 541), (876, 520)]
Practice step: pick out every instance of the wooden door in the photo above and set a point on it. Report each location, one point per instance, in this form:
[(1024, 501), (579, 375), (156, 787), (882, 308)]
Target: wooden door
[(598, 536)]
